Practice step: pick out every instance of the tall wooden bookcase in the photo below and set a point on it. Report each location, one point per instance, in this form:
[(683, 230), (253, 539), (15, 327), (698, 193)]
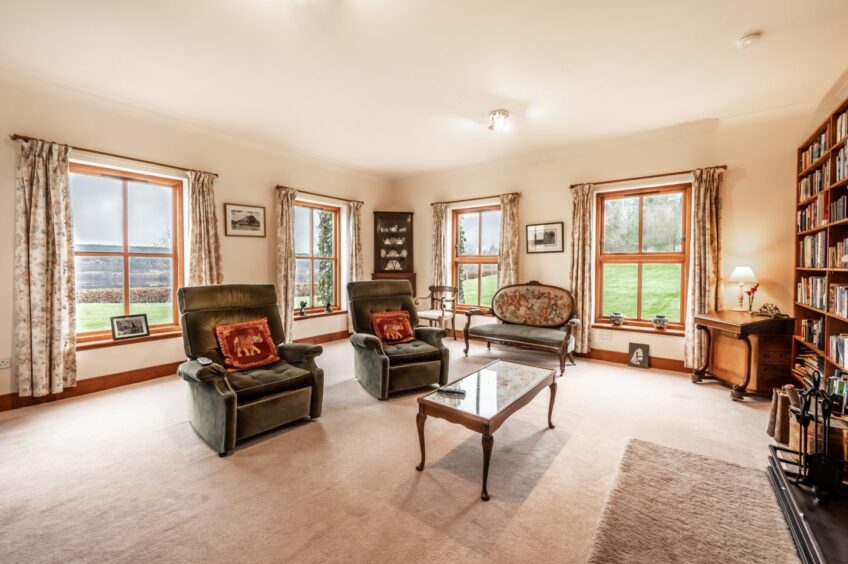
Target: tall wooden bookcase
[(820, 232)]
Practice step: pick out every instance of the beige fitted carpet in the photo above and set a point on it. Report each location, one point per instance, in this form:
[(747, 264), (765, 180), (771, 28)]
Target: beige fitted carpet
[(120, 476), (671, 505)]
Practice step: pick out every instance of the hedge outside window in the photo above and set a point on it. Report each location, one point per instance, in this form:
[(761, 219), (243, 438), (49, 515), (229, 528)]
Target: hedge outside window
[(476, 244), (642, 254), (316, 249), (127, 247)]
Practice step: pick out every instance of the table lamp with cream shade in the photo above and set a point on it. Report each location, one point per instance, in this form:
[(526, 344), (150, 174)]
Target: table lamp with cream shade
[(742, 274)]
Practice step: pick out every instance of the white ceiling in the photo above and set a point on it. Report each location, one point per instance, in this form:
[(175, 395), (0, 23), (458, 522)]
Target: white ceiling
[(401, 87)]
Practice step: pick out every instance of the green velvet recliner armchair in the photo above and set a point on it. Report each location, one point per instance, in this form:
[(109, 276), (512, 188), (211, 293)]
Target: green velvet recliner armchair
[(226, 407), (382, 368)]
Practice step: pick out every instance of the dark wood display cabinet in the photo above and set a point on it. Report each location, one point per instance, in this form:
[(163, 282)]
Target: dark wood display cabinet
[(393, 249)]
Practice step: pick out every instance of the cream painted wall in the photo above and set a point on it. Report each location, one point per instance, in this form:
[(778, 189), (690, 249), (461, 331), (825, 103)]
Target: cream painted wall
[(757, 195), (248, 175)]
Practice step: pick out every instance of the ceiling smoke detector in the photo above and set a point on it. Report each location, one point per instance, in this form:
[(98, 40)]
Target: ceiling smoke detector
[(749, 40), (499, 120)]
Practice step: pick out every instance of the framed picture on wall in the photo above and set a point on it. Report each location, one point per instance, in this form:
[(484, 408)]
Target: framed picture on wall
[(244, 221), (638, 355), (545, 238)]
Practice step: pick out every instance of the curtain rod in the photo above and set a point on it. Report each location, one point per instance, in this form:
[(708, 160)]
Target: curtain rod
[(15, 137), (477, 198), (323, 195), (723, 167)]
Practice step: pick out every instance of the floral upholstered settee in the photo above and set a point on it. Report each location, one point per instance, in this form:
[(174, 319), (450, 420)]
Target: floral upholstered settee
[(531, 315)]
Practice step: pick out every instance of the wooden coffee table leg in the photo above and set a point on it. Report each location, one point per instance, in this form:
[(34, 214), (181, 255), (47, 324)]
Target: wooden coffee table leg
[(551, 404), (488, 440), (419, 420)]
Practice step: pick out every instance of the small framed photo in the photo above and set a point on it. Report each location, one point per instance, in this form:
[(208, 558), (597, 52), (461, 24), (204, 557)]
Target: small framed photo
[(638, 355), (545, 238), (244, 221), (130, 326)]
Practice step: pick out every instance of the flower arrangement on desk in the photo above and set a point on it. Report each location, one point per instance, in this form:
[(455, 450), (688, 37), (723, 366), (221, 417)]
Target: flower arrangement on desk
[(751, 292)]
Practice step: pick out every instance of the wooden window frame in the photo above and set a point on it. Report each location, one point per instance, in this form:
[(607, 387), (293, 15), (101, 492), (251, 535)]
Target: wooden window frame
[(177, 242), (457, 260), (641, 258), (311, 258)]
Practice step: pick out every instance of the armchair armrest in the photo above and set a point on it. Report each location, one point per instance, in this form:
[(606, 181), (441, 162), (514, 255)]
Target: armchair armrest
[(200, 373), (298, 352), (431, 335), (574, 321), (476, 311), (367, 341)]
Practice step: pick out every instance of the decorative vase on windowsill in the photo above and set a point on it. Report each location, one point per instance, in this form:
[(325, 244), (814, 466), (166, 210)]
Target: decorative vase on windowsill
[(616, 319), (660, 322)]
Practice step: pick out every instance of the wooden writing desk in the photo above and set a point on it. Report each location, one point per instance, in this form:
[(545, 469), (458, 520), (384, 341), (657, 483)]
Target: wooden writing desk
[(752, 353)]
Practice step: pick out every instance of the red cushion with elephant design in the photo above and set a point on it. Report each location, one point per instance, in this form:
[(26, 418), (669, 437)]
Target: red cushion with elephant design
[(392, 327), (247, 345)]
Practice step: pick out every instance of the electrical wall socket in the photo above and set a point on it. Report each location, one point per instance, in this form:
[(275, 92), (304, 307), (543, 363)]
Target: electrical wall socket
[(605, 335), (5, 363)]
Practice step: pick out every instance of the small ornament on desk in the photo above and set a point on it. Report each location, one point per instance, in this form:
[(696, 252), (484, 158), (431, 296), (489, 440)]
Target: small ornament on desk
[(751, 292), (303, 307), (770, 310)]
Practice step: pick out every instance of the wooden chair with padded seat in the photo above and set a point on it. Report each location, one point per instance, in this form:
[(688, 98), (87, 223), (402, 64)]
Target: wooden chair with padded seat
[(442, 307)]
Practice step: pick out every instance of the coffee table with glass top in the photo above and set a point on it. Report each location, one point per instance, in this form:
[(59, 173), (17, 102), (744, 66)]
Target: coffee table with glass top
[(492, 394)]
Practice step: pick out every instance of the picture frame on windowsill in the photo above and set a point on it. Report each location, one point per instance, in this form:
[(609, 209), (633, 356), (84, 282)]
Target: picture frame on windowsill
[(545, 237), (129, 326)]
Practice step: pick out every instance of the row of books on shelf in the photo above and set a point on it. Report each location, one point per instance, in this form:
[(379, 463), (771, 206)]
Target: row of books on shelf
[(812, 331), (813, 215), (838, 348), (838, 299), (815, 182), (812, 291), (812, 250), (842, 126), (836, 254), (807, 363), (814, 151), (838, 208), (841, 163)]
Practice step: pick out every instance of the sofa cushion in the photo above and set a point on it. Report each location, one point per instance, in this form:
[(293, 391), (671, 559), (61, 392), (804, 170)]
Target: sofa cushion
[(413, 351), (519, 333), (271, 379)]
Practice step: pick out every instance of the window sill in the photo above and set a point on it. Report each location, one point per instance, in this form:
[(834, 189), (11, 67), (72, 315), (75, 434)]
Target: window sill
[(672, 332), (86, 345), (298, 317)]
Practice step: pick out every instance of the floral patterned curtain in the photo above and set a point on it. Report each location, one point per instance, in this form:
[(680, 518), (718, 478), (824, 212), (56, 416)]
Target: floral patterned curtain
[(509, 241), (439, 265), (705, 256), (285, 258), (581, 263), (356, 271), (44, 295), (205, 266)]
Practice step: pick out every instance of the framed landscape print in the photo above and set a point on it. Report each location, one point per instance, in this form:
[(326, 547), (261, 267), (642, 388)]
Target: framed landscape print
[(244, 221), (129, 326), (545, 238)]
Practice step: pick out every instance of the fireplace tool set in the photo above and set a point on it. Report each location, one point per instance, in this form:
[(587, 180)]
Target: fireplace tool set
[(812, 465)]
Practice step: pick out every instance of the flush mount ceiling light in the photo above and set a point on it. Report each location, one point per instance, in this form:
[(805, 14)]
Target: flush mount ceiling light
[(499, 120), (749, 40)]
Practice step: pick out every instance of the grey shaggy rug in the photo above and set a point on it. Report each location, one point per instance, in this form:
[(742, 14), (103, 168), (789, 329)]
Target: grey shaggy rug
[(669, 505)]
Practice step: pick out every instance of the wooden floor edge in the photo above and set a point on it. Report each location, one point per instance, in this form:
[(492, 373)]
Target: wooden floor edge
[(325, 338), (91, 385), (621, 358)]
